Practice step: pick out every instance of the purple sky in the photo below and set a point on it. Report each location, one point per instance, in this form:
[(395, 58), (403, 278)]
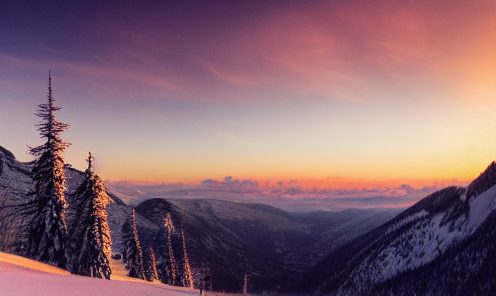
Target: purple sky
[(322, 92)]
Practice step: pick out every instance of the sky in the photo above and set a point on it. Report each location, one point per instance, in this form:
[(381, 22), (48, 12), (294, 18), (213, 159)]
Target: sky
[(339, 95)]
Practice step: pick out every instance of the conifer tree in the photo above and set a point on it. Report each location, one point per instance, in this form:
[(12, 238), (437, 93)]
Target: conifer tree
[(131, 249), (154, 264), (167, 266), (150, 264), (162, 255), (90, 243), (205, 277), (186, 276), (245, 285), (171, 260), (47, 234)]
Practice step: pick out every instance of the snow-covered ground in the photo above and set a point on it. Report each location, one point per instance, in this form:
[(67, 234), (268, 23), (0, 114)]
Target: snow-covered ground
[(22, 277)]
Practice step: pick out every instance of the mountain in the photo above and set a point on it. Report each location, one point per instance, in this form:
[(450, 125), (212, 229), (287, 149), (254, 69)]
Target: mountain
[(442, 245), (15, 186), (273, 247)]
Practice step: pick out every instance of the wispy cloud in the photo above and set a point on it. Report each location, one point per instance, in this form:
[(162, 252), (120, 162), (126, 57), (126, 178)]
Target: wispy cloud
[(378, 89)]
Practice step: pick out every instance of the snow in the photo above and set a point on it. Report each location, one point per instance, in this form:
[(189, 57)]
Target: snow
[(408, 219), (423, 241), (481, 207), (20, 276)]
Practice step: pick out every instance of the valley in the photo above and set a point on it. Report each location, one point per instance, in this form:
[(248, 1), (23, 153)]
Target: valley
[(447, 236)]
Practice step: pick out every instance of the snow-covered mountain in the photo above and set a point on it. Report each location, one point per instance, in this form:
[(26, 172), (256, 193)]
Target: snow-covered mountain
[(275, 248), (442, 245)]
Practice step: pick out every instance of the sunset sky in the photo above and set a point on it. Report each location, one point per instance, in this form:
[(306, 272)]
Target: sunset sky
[(328, 93)]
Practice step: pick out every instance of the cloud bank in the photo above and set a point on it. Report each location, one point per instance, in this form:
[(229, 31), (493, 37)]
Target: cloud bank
[(292, 195)]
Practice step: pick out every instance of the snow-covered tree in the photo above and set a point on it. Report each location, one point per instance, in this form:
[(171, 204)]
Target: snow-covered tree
[(205, 278), (132, 255), (186, 276), (90, 242), (167, 266), (245, 285), (172, 261), (150, 264), (47, 235)]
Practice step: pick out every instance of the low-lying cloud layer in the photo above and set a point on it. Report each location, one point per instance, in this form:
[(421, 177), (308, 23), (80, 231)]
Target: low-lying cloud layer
[(292, 196)]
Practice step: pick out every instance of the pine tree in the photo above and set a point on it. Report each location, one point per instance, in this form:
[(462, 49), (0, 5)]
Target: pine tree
[(131, 249), (167, 266), (90, 242), (47, 235), (154, 263), (150, 264), (171, 260), (186, 277), (162, 255), (245, 285), (205, 278)]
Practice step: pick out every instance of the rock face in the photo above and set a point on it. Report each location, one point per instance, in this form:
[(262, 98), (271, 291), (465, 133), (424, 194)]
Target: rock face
[(443, 245), (15, 185)]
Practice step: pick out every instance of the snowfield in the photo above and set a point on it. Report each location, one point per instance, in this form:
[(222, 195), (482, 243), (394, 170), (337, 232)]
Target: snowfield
[(21, 277)]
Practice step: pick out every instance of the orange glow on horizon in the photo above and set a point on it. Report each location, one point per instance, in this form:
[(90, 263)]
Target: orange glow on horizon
[(336, 183)]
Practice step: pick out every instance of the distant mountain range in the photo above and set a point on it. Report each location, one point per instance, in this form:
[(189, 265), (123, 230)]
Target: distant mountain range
[(442, 245)]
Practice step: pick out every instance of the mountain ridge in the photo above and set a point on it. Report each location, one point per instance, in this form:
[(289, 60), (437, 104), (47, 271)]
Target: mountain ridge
[(446, 241), (434, 234), (274, 247)]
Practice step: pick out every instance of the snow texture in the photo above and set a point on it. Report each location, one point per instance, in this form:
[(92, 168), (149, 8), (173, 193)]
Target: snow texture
[(424, 241), (21, 276)]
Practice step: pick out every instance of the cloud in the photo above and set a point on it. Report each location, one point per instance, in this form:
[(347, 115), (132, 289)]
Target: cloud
[(229, 184), (349, 50), (287, 195), (342, 50), (208, 181)]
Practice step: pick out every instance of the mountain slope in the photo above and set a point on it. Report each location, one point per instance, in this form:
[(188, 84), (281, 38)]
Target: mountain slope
[(20, 276), (273, 247), (445, 241)]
